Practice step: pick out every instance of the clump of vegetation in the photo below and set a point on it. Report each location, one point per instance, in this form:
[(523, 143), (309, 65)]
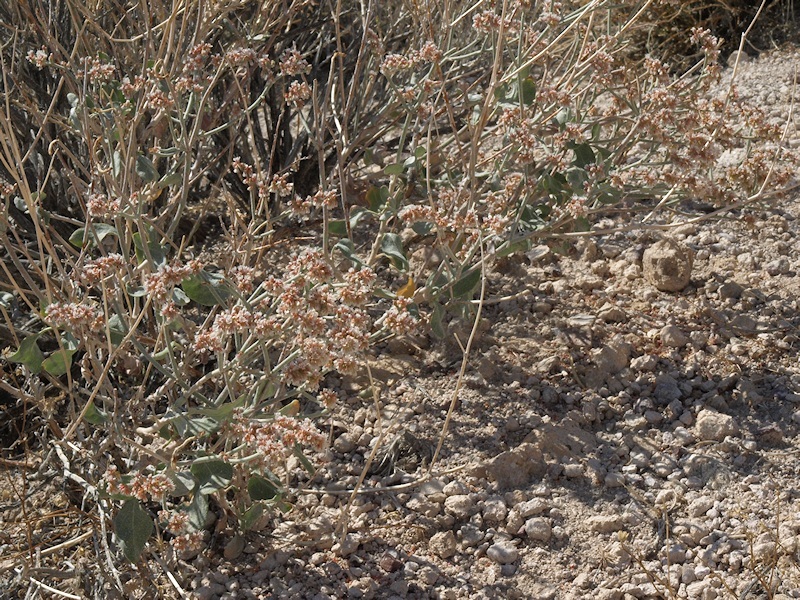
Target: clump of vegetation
[(209, 212)]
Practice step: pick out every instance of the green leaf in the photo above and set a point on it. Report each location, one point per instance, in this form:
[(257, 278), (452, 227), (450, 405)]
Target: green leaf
[(394, 169), (94, 415), (117, 164), (392, 247), (156, 250), (508, 248), (197, 510), (212, 474), (467, 284), (346, 247), (117, 329), (584, 155), (249, 517), (60, 361), (356, 214), (298, 452), (377, 197), (422, 227), (133, 527), (29, 354), (184, 483), (338, 227), (527, 91), (207, 289), (437, 326), (261, 488), (96, 233), (170, 179), (146, 169)]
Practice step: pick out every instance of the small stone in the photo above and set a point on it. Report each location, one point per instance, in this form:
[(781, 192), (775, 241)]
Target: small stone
[(777, 267), (532, 507), (503, 552), (573, 470), (460, 506), (495, 510), (539, 529), (700, 506), (714, 426), (606, 523), (667, 265), (730, 290), (233, 549), (673, 337), (612, 315), (515, 468), (348, 545), (613, 357), (344, 443), (647, 362), (443, 544)]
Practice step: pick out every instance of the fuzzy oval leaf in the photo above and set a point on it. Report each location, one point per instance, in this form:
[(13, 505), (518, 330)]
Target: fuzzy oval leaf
[(96, 233), (527, 91), (261, 488), (376, 197), (249, 517), (94, 415), (394, 169), (207, 289), (146, 169), (437, 326), (29, 354), (467, 284), (212, 475), (60, 361), (133, 527), (197, 511), (392, 247), (184, 482), (338, 227)]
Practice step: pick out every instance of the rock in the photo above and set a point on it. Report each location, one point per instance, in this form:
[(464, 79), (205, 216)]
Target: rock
[(667, 265), (613, 314), (777, 267), (539, 529), (233, 549), (730, 290), (532, 507), (503, 553), (348, 545), (666, 390), (712, 425), (673, 337), (443, 544), (515, 468), (606, 523), (613, 357), (700, 506), (460, 506), (345, 443), (646, 362), (495, 510)]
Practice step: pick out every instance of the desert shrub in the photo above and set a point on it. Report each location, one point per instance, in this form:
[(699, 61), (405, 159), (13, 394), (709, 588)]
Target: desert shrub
[(208, 213)]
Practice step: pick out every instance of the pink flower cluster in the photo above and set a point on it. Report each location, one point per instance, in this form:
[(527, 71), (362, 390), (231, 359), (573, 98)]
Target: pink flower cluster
[(275, 439), (75, 317)]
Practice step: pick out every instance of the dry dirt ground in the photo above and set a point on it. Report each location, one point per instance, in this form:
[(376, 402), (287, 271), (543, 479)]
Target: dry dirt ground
[(610, 441)]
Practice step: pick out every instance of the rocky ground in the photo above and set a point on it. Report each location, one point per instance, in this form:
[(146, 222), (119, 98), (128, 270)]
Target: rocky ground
[(611, 440)]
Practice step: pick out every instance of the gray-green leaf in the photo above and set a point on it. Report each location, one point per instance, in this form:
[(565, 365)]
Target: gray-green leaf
[(133, 527)]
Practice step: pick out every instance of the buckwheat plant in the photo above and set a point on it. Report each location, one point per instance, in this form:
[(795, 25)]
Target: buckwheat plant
[(212, 214)]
